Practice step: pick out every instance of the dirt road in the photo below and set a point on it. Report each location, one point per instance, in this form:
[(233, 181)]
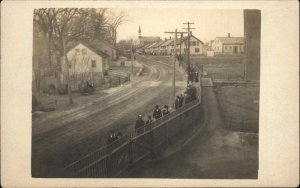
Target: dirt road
[(61, 139)]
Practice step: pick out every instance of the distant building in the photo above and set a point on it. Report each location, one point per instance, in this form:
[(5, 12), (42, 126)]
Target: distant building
[(165, 48), (228, 45), (146, 40), (196, 46)]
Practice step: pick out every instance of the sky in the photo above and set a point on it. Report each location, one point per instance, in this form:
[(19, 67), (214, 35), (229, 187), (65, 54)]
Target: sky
[(208, 24)]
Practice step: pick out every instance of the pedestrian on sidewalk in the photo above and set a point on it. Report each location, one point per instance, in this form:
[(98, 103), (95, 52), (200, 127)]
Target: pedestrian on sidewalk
[(139, 125), (166, 110), (157, 112), (149, 125), (177, 102), (181, 100), (149, 120)]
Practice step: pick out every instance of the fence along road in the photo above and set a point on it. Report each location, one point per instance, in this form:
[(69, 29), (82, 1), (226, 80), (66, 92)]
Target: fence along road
[(110, 161), (60, 142)]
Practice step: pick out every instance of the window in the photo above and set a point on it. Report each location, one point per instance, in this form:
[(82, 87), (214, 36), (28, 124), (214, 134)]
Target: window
[(197, 50), (84, 51), (225, 47), (194, 43), (230, 47), (197, 43), (77, 50), (93, 63)]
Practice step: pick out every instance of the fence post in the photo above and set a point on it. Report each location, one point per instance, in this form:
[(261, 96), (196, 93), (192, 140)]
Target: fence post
[(167, 134), (130, 151), (107, 165)]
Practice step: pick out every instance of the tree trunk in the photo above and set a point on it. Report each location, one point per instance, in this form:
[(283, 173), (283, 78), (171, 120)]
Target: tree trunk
[(68, 74)]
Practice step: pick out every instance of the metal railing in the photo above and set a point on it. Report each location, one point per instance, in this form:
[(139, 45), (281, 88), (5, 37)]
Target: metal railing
[(111, 160)]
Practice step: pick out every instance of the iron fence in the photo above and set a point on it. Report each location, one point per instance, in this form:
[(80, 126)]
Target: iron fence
[(111, 160), (147, 141)]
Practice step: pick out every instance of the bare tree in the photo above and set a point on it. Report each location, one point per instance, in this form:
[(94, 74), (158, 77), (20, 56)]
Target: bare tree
[(45, 18), (115, 21), (62, 31)]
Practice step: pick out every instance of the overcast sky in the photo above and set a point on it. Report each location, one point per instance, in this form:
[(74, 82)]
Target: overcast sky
[(208, 23)]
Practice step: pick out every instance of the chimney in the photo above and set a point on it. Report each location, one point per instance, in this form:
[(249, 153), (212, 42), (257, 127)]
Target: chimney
[(228, 35)]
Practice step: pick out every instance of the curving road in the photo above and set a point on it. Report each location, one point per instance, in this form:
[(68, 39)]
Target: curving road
[(62, 138)]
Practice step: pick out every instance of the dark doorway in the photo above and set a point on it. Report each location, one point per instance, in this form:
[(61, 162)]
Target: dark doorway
[(235, 49)]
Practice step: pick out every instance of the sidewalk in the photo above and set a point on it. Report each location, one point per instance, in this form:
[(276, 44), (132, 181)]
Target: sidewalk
[(215, 153)]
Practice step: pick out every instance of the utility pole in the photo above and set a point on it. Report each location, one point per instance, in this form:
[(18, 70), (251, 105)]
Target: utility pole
[(188, 50), (175, 55), (131, 52)]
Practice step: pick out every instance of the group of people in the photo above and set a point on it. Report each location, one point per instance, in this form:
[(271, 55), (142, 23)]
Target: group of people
[(193, 75), (189, 95), (140, 124)]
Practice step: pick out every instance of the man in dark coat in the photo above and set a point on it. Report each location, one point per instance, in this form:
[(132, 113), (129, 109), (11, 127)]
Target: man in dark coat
[(149, 120), (177, 102), (148, 125), (196, 77), (166, 110), (193, 93), (187, 98), (157, 112), (181, 100), (139, 125)]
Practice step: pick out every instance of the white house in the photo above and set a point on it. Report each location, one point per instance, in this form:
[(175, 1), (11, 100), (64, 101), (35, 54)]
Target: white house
[(196, 45), (228, 45), (86, 63)]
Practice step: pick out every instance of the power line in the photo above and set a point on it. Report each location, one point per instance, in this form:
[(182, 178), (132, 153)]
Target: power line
[(175, 55), (188, 49)]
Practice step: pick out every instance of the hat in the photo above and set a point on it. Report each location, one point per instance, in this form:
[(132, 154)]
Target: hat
[(156, 106), (140, 116), (166, 106)]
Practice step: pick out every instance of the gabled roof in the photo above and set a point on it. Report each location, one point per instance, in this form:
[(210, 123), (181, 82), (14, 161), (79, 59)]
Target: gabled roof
[(152, 45), (166, 43), (231, 40), (151, 39), (146, 46), (185, 38), (158, 44), (92, 47)]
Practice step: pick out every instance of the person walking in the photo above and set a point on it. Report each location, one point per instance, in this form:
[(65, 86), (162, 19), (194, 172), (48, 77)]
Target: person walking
[(166, 110), (149, 120), (157, 112), (181, 100), (196, 77), (177, 102), (187, 98), (139, 125), (148, 125)]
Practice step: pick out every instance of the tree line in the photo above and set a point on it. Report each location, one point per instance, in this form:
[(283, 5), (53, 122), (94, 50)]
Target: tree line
[(58, 26)]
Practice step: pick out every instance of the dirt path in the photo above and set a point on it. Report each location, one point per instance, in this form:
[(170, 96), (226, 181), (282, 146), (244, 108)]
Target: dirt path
[(59, 141), (216, 154)]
